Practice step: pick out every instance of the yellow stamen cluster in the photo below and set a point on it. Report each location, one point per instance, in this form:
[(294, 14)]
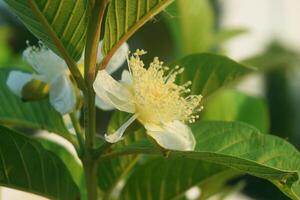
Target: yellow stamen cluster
[(156, 95)]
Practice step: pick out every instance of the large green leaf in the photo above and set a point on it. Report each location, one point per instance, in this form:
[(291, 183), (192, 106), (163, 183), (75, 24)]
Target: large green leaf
[(242, 147), (27, 166), (230, 105), (125, 17), (170, 178), (36, 115), (67, 157), (66, 18), (209, 72)]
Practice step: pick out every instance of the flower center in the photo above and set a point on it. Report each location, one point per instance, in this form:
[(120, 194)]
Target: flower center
[(156, 95)]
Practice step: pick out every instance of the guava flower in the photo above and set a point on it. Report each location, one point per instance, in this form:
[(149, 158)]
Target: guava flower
[(154, 99), (50, 69)]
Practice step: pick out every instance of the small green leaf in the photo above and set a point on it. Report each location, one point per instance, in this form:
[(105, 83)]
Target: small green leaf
[(230, 105), (209, 72), (124, 18), (170, 178), (66, 18), (35, 115), (27, 166)]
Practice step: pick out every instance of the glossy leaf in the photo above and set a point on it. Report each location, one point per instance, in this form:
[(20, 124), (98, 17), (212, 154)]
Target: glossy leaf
[(71, 162), (66, 18), (230, 105), (210, 72), (241, 147), (170, 178), (27, 166), (35, 115), (125, 17)]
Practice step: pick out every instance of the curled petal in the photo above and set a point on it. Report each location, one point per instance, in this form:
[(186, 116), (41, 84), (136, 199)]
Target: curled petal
[(100, 103), (173, 135), (117, 59), (117, 136), (113, 92), (61, 94), (16, 81)]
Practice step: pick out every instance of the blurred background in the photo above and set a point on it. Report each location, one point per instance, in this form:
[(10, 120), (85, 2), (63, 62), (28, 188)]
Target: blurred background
[(260, 33)]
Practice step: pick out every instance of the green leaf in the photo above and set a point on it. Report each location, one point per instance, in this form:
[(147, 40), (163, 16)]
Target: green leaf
[(241, 147), (124, 18), (244, 148), (35, 115), (194, 28), (170, 178), (209, 72), (67, 157), (230, 105), (112, 171), (192, 25), (27, 166), (66, 18), (275, 56)]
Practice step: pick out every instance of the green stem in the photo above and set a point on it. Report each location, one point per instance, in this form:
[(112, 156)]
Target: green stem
[(97, 9), (133, 151), (78, 131), (90, 172), (60, 47)]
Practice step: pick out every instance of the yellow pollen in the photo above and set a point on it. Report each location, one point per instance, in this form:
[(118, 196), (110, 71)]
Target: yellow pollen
[(156, 95)]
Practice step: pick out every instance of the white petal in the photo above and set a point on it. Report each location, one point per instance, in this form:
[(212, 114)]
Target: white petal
[(117, 59), (16, 81), (173, 135), (126, 77), (117, 136), (100, 103), (61, 94), (113, 92), (45, 62)]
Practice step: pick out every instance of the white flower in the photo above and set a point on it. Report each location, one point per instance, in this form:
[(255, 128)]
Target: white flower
[(50, 69), (153, 97), (113, 65)]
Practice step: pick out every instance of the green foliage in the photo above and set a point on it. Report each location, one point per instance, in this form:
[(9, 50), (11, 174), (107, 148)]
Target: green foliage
[(35, 115), (67, 157), (27, 166), (125, 17), (223, 150), (275, 56), (170, 178), (190, 21), (66, 18), (209, 72), (241, 147), (112, 171), (230, 105), (193, 26)]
